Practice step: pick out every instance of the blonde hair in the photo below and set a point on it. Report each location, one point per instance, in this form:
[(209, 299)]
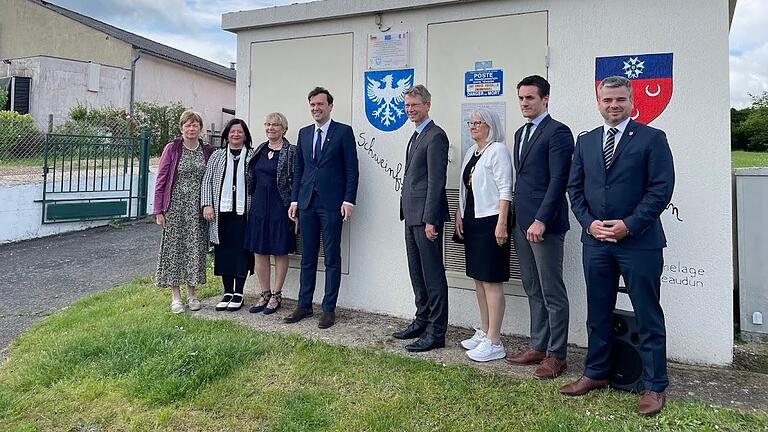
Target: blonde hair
[(190, 115), (278, 118)]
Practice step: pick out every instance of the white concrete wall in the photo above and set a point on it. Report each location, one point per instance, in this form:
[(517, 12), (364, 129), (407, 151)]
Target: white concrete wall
[(163, 82), (699, 317), (21, 213), (59, 84)]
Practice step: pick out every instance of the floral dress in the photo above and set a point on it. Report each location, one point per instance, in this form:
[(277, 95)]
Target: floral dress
[(184, 245)]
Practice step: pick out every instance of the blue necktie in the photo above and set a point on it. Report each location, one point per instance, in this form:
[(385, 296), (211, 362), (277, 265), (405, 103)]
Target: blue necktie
[(318, 143)]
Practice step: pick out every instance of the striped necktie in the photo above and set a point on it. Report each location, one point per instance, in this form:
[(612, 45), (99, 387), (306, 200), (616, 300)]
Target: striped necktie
[(610, 146)]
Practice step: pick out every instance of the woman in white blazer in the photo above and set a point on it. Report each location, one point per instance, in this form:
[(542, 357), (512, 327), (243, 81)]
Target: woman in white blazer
[(481, 220)]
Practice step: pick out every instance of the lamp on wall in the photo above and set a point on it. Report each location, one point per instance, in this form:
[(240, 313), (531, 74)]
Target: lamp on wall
[(378, 19)]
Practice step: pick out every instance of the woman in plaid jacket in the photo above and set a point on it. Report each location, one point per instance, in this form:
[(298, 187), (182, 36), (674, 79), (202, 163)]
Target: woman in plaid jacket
[(225, 204)]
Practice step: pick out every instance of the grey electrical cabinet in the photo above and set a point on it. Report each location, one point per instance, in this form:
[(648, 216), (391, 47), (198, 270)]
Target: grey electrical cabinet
[(751, 220)]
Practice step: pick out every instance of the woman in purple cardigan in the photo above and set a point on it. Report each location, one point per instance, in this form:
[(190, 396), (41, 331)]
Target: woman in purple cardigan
[(177, 209)]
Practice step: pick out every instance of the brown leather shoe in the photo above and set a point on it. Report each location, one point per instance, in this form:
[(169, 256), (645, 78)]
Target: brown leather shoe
[(527, 357), (651, 403), (550, 368), (583, 386), (327, 319), (297, 315)]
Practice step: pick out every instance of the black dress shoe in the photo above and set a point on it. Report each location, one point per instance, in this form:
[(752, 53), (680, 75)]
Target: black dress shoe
[(426, 343), (297, 315), (327, 319), (412, 331)]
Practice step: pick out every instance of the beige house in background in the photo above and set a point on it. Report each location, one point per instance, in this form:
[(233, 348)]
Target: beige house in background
[(71, 58)]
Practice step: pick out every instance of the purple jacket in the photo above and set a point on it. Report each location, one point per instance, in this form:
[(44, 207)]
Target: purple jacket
[(166, 172)]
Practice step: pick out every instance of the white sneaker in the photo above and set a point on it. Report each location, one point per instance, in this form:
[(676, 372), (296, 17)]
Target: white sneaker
[(487, 351), (177, 307), (474, 341), (194, 304)]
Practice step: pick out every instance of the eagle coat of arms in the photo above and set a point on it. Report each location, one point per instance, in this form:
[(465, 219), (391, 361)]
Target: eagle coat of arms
[(384, 101)]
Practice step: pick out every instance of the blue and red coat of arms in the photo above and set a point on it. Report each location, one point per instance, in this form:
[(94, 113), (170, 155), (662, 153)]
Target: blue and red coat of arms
[(651, 76)]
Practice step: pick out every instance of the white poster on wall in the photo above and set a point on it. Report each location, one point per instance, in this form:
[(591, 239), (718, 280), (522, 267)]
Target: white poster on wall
[(389, 51)]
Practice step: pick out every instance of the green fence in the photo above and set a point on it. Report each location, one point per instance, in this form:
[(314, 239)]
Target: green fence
[(94, 177)]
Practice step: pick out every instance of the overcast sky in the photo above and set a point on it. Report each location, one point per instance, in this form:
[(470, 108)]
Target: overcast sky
[(195, 26)]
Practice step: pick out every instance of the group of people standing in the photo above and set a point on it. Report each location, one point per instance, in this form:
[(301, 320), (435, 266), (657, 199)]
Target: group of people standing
[(619, 178), (203, 195), (247, 202)]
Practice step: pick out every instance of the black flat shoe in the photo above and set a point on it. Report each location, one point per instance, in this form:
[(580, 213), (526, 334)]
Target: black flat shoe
[(413, 330), (426, 343), (262, 304), (278, 297), (236, 303)]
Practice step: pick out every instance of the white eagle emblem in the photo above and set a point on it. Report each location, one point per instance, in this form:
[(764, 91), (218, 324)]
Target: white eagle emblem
[(387, 98)]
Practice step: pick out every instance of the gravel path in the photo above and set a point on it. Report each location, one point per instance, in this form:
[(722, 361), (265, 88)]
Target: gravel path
[(43, 275)]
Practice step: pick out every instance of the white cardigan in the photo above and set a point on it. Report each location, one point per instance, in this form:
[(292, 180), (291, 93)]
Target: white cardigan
[(491, 180)]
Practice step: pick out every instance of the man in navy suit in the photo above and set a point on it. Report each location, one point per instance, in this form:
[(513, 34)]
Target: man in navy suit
[(542, 154), (622, 177), (324, 190)]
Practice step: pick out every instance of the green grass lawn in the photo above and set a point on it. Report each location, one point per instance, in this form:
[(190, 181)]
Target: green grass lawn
[(120, 360), (742, 159)]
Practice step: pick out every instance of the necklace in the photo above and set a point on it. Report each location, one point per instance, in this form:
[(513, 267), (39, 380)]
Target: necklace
[(197, 146), (273, 150), (478, 153)]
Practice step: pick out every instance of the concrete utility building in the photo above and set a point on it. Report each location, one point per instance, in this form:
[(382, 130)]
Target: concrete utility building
[(63, 58), (471, 53)]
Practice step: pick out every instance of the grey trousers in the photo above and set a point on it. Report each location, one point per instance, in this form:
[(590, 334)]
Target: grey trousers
[(430, 287), (541, 266)]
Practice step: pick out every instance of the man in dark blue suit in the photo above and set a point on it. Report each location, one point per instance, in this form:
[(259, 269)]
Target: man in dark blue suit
[(622, 177), (542, 154), (324, 190)]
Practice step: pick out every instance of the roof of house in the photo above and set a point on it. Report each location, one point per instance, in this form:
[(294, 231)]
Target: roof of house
[(146, 45)]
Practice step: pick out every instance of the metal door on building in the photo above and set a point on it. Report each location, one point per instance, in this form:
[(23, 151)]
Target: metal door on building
[(94, 177)]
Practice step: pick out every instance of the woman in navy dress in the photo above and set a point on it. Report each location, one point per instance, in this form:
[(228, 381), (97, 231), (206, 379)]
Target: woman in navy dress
[(270, 232)]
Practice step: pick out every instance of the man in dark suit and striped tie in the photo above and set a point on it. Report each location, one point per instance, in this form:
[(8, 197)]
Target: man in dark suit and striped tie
[(621, 180)]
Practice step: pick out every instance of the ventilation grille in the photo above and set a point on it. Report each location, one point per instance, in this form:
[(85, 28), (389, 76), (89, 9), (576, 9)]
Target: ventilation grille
[(300, 249), (454, 252)]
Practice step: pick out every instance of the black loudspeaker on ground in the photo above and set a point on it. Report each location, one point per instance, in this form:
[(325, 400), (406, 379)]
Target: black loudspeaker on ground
[(626, 364)]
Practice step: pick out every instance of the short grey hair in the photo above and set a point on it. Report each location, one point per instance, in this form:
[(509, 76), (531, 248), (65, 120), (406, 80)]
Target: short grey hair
[(496, 129), (616, 82), (419, 91), (278, 118)]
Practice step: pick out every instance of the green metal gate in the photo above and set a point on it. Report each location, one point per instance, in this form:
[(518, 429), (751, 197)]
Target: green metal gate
[(94, 177)]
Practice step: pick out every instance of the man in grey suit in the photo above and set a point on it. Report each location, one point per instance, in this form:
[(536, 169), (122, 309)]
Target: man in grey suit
[(542, 155), (424, 208)]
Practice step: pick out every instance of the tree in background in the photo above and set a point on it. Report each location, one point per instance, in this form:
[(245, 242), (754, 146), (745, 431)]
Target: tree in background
[(3, 98), (749, 126), (162, 122)]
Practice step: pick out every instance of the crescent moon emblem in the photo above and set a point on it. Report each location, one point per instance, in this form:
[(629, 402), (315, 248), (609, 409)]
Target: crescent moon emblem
[(658, 90), (635, 116)]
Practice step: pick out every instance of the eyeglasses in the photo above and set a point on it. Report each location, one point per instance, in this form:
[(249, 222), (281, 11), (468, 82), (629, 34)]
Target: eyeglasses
[(272, 125), (475, 123)]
